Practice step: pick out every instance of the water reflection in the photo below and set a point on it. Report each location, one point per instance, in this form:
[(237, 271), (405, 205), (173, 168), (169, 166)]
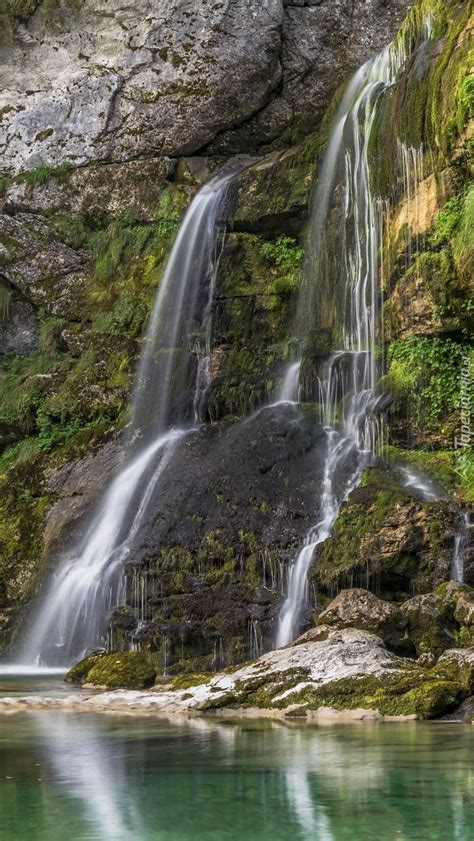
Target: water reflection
[(85, 777), (92, 775)]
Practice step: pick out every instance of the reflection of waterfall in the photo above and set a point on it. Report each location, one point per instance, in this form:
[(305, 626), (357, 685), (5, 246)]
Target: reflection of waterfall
[(314, 822), (72, 616), (95, 777), (106, 778), (461, 543)]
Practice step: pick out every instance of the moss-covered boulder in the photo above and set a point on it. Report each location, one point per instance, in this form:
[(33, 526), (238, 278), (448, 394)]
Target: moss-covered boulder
[(427, 624), (127, 670), (78, 673), (387, 540)]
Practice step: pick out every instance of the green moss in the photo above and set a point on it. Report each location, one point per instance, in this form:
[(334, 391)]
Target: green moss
[(438, 464), (258, 284), (17, 10), (424, 694), (79, 672), (343, 551), (403, 691), (129, 670), (185, 681), (432, 101), (463, 236), (286, 256)]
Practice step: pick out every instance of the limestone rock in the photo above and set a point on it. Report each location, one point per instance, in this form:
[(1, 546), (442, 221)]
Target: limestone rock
[(351, 671), (95, 191), (463, 660), (357, 608), (108, 82), (48, 273)]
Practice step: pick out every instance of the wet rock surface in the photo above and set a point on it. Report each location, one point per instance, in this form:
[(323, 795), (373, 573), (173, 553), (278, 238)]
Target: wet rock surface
[(387, 540), (231, 509)]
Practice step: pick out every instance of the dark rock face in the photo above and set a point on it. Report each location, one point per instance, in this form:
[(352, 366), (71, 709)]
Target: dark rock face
[(18, 325), (231, 508), (206, 574), (175, 78)]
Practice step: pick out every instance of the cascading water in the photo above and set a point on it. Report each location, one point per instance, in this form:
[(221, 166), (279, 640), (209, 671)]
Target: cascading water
[(290, 385), (348, 396), (461, 543), (72, 615)]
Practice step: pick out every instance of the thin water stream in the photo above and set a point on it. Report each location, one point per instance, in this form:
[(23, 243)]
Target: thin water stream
[(348, 395)]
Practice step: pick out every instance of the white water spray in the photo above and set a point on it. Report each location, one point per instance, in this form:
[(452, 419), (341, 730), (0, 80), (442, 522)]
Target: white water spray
[(289, 391), (72, 616)]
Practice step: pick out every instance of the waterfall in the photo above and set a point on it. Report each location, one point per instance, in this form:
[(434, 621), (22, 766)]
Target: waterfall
[(72, 616), (348, 267), (461, 542), (290, 385)]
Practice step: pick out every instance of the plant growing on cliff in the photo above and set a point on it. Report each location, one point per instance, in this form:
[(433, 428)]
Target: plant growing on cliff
[(286, 255), (44, 173), (426, 371)]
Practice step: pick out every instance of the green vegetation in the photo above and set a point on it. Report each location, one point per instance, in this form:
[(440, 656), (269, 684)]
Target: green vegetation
[(426, 371), (425, 694), (406, 691), (286, 256), (44, 173), (186, 681)]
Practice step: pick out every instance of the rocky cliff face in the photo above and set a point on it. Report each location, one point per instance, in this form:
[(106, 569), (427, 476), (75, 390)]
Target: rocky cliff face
[(126, 113), (99, 81)]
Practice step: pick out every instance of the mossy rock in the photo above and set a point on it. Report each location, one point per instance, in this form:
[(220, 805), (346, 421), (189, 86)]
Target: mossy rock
[(425, 694), (185, 681), (79, 672), (128, 670)]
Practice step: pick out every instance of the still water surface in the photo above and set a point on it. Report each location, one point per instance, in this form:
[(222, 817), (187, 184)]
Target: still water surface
[(78, 777)]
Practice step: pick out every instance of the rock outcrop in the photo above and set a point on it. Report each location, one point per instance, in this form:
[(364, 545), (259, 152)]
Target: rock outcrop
[(92, 82), (350, 673), (428, 624)]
